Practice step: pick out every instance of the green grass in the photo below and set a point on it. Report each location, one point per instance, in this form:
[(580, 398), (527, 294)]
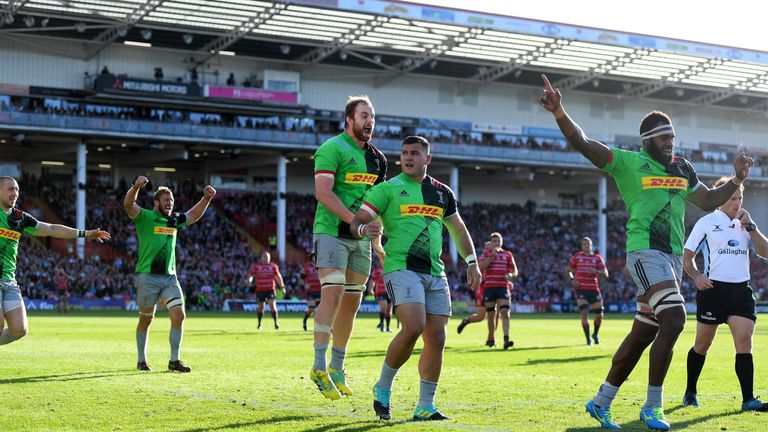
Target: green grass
[(77, 373)]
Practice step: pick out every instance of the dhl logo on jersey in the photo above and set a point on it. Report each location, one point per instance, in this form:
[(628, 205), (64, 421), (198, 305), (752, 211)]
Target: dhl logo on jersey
[(420, 210), (165, 230), (10, 234), (361, 178), (664, 183)]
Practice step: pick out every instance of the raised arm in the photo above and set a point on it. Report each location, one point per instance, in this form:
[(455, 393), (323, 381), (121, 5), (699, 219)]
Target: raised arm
[(595, 151), (195, 213), (710, 199), (463, 241), (65, 232), (129, 203)]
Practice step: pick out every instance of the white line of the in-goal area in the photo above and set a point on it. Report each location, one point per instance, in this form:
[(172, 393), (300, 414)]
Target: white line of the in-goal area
[(325, 412)]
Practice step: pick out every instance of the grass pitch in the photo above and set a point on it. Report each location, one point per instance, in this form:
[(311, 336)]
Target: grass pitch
[(77, 373)]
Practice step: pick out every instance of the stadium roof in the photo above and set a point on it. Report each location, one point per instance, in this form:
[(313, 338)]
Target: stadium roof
[(393, 38)]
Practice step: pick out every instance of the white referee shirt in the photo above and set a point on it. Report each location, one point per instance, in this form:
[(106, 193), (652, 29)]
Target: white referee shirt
[(725, 246)]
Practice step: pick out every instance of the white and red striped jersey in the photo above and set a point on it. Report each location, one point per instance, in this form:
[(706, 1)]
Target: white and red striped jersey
[(265, 275), (586, 269), (495, 275)]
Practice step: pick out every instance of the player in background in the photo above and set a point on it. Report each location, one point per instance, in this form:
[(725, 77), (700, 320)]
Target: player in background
[(499, 269), (156, 279), (378, 290), (266, 273), (725, 238), (583, 269), (14, 222), (655, 185), (346, 167), (308, 278), (414, 207), (480, 312)]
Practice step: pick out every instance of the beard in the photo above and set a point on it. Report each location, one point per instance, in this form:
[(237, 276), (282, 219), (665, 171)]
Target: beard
[(357, 131), (658, 155)]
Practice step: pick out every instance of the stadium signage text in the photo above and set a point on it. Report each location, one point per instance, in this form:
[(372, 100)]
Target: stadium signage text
[(10, 234), (664, 183), (420, 210), (251, 94), (361, 178), (113, 83)]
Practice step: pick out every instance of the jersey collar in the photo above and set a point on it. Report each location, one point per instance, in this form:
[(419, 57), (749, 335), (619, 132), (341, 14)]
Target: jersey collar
[(721, 214), (647, 156)]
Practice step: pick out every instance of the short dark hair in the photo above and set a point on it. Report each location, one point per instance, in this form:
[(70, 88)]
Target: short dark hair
[(162, 190), (415, 139), (352, 103), (652, 120)]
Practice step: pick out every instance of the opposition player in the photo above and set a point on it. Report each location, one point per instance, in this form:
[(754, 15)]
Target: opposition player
[(724, 238), (346, 167), (266, 273), (583, 270), (156, 278), (14, 222), (480, 312), (499, 268), (308, 278), (413, 208), (378, 290), (654, 184)]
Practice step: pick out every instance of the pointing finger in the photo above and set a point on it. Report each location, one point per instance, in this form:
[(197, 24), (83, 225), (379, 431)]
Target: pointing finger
[(546, 82)]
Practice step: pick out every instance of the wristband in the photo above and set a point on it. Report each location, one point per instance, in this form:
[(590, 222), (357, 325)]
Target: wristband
[(470, 260), (360, 229), (81, 233)]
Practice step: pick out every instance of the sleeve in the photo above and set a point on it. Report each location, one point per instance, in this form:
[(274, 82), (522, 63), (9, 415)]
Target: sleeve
[(326, 161), (693, 178), (697, 237), (382, 169), (29, 223), (376, 200), (616, 162), (252, 271), (600, 262), (276, 269), (141, 216), (572, 262), (511, 266), (179, 220), (451, 207)]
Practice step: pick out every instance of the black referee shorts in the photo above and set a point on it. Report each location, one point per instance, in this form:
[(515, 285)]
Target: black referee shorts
[(715, 305)]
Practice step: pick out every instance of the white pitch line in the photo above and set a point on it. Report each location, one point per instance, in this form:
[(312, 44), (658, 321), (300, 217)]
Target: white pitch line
[(327, 412)]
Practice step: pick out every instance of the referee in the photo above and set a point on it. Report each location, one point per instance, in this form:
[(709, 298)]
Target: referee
[(724, 237)]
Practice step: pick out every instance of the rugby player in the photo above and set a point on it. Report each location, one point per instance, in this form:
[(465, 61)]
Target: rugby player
[(156, 279), (346, 167), (308, 278), (413, 208), (266, 273), (499, 268), (583, 270), (654, 184), (14, 222)]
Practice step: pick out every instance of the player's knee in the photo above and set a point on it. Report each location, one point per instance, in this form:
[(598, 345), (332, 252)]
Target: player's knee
[(702, 346), (597, 311), (490, 309), (583, 307), (435, 338), (17, 332)]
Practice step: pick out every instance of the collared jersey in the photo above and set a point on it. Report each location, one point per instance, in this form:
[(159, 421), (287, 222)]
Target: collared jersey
[(655, 197), (157, 241), (12, 224), (265, 275), (724, 244), (310, 278), (581, 264), (495, 275), (354, 172), (412, 214)]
